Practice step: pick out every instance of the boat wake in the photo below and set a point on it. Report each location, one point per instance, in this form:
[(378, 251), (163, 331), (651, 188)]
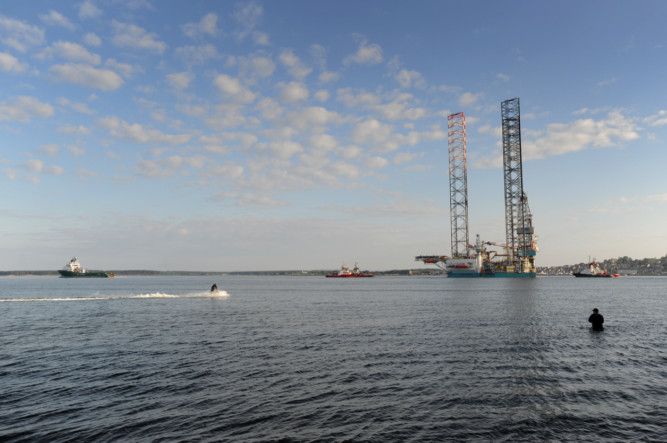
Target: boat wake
[(215, 294)]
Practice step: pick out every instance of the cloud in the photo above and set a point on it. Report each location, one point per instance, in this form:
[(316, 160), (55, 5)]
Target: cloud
[(313, 116), (397, 108), (503, 77), (180, 80), (89, 10), (407, 79), (247, 17), (296, 68), (137, 133), (321, 95), (92, 40), (70, 51), (197, 55), (206, 26), (86, 75), (376, 163), (134, 37), (660, 119), (469, 99), (293, 92), (9, 63), (371, 132), (608, 81), (257, 65), (281, 149), (563, 138), (54, 18), (366, 55), (19, 35), (23, 108), (73, 129), (232, 89)]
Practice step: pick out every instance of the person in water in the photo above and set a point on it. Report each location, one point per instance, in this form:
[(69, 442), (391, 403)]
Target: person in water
[(596, 319), (214, 287)]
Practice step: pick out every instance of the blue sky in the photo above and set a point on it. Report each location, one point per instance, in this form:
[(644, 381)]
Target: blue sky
[(230, 136)]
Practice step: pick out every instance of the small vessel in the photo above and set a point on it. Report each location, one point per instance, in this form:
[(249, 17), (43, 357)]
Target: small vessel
[(346, 273), (594, 270), (74, 269)]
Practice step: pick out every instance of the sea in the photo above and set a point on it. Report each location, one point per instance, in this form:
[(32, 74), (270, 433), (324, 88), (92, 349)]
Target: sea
[(301, 359)]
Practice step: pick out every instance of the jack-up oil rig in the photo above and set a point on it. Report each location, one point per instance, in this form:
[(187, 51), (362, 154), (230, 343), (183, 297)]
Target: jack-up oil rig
[(517, 258)]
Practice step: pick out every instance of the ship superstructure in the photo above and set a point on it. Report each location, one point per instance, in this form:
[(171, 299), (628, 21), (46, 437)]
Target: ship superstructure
[(517, 255)]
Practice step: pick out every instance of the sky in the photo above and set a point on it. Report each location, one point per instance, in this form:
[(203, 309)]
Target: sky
[(298, 135)]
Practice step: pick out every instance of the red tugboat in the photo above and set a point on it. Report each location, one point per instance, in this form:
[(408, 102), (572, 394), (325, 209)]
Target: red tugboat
[(346, 273), (594, 271)]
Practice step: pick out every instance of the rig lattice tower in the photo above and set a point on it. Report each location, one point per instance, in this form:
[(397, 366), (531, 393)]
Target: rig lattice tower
[(458, 184), (518, 219)]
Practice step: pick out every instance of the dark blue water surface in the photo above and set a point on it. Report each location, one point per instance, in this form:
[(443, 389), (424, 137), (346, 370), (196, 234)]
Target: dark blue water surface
[(310, 358)]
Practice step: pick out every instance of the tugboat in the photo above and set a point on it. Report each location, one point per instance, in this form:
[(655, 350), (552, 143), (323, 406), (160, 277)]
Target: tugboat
[(594, 271), (346, 273), (74, 269)]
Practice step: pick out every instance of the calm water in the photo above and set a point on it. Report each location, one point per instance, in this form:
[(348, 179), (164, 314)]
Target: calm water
[(309, 358)]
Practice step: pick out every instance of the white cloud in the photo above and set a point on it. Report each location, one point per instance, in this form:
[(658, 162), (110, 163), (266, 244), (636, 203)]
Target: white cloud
[(9, 63), (180, 80), (54, 18), (125, 69), (376, 163), (293, 92), (407, 79), (19, 35), (328, 77), (503, 77), (366, 55), (206, 26), (281, 149), (73, 129), (70, 51), (371, 132), (134, 37), (469, 99), (86, 75), (296, 68), (397, 108), (77, 106), (197, 55), (563, 138), (92, 40), (89, 10), (34, 165), (232, 89), (135, 132), (660, 119), (23, 108), (321, 95), (257, 65), (247, 17), (313, 116)]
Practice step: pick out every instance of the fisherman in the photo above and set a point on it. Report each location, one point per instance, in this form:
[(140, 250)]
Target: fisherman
[(214, 287), (596, 319)]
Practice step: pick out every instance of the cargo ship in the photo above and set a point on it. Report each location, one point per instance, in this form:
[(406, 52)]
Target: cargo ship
[(595, 271), (346, 273), (74, 270)]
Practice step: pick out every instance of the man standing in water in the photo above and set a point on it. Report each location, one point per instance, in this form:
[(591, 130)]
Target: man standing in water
[(596, 319)]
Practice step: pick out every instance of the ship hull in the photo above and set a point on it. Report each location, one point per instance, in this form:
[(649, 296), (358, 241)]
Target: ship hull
[(70, 274), (577, 274), (491, 275)]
